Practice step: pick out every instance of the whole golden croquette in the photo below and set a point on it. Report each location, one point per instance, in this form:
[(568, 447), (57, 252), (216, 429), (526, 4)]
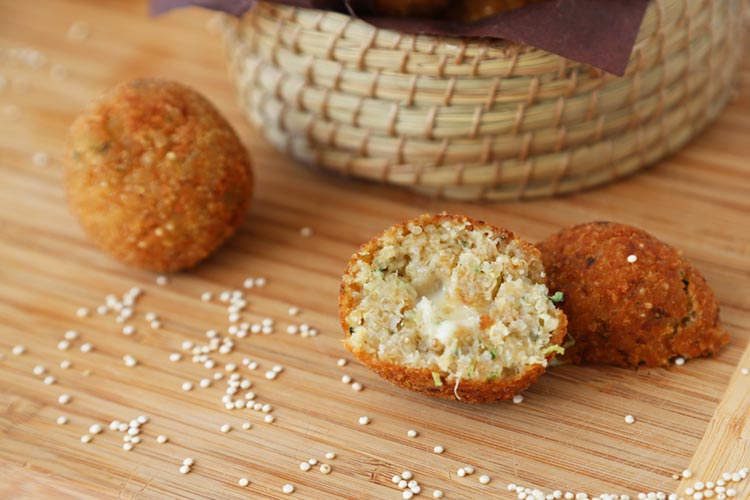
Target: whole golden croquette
[(156, 176), (630, 299)]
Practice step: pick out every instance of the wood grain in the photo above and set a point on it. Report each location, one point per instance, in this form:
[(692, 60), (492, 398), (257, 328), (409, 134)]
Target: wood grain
[(569, 432)]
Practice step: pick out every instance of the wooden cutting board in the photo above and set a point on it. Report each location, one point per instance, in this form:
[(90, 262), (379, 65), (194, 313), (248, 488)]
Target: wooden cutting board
[(568, 433)]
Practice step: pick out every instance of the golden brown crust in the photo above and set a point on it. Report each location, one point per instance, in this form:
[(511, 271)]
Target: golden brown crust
[(156, 176), (421, 380), (628, 314)]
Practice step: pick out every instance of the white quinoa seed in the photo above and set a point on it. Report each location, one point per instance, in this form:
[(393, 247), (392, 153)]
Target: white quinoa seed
[(247, 426), (81, 312), (330, 455), (687, 474), (175, 357), (162, 280), (341, 362), (288, 489), (293, 311), (357, 386), (64, 399), (518, 399), (129, 361), (679, 361), (412, 433), (96, 429), (745, 371), (188, 462), (304, 466), (86, 347), (438, 449), (62, 420), (484, 479), (18, 350), (629, 419), (187, 386), (469, 469), (292, 329), (632, 258), (346, 379), (71, 335), (39, 370), (437, 494), (270, 375), (407, 475), (461, 472), (63, 345), (86, 438), (269, 419), (161, 439), (325, 469), (225, 428), (184, 469), (243, 481), (65, 364), (128, 330), (364, 420), (407, 495)]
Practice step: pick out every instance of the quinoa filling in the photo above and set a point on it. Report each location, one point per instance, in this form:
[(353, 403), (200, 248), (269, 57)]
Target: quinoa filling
[(457, 300)]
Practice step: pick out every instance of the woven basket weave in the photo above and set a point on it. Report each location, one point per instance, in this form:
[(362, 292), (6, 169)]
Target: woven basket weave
[(478, 119)]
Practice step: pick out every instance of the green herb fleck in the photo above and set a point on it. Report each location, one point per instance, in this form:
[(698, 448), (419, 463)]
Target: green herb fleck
[(570, 342), (351, 329), (557, 297), (534, 336), (493, 376), (493, 353), (436, 379), (470, 373), (477, 270), (554, 348), (463, 243)]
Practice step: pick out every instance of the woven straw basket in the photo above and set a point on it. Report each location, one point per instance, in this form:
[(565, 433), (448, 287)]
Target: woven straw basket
[(477, 119)]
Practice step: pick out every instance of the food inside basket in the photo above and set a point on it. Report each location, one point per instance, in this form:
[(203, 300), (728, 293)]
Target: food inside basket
[(445, 9)]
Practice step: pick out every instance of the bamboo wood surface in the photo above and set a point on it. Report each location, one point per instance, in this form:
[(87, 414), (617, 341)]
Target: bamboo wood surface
[(569, 432)]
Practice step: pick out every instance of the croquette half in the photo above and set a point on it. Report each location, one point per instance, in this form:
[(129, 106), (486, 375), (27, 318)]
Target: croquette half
[(630, 299), (451, 307), (156, 176)]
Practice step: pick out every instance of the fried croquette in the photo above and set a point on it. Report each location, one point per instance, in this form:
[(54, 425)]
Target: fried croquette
[(630, 299), (156, 176), (450, 307), (407, 8)]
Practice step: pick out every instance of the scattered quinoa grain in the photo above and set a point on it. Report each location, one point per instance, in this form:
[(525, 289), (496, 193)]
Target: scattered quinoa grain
[(484, 479), (39, 370), (269, 419), (96, 429), (188, 462), (161, 439), (438, 449), (49, 380), (346, 379), (187, 386), (184, 469), (412, 433), (679, 361), (330, 455), (364, 420), (86, 347), (128, 330), (518, 399), (288, 489), (341, 362), (18, 350), (437, 494), (64, 399), (357, 386), (65, 364), (63, 345), (629, 419), (175, 357), (162, 280), (243, 481), (632, 258), (304, 466), (325, 469), (129, 361), (62, 420), (461, 472), (86, 438), (270, 374), (225, 428), (71, 335), (745, 371), (81, 312)]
